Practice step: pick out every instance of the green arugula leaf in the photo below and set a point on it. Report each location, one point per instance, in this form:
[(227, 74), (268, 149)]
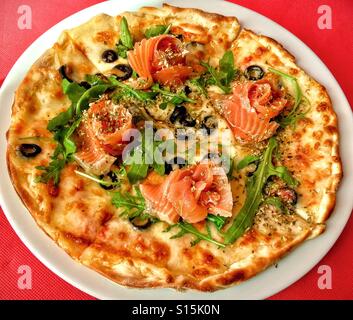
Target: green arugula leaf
[(243, 221), (157, 165), (171, 97), (137, 165), (91, 95), (132, 205), (157, 30), (216, 77), (138, 94), (68, 143), (73, 90), (142, 158), (95, 79), (246, 161), (126, 41), (276, 202), (294, 115), (65, 124), (52, 171), (200, 84), (218, 221), (159, 168), (137, 172), (225, 73), (63, 127), (122, 50), (61, 119), (187, 228), (65, 149), (226, 65), (125, 35), (98, 180)]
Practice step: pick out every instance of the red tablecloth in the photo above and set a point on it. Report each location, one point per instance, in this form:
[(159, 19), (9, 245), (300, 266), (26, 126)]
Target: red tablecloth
[(333, 46)]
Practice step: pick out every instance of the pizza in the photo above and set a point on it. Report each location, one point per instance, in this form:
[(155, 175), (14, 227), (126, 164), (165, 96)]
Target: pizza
[(170, 147)]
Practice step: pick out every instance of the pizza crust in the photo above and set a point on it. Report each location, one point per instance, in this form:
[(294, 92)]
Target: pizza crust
[(313, 145), (143, 259), (84, 223)]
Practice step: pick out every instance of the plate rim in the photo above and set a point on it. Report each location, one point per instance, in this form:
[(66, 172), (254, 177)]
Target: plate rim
[(151, 293)]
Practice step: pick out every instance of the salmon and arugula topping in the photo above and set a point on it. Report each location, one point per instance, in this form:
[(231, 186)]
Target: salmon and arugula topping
[(160, 72), (100, 135), (190, 194), (251, 107), (160, 58)]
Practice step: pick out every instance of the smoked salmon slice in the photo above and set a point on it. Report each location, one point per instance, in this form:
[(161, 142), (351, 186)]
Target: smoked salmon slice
[(159, 58), (156, 196), (100, 136), (91, 156), (260, 96), (174, 75), (250, 108), (185, 202), (110, 122), (218, 198), (246, 124), (190, 193)]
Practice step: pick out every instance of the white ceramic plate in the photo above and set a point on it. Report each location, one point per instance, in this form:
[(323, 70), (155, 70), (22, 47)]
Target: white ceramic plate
[(290, 269)]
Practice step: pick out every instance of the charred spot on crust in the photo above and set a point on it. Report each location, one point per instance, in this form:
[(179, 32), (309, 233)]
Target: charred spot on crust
[(161, 251), (200, 273), (232, 277)]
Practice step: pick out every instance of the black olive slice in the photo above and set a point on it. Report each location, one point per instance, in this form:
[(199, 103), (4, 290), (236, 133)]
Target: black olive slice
[(140, 223), (182, 116), (85, 84), (109, 56), (209, 123), (137, 118), (125, 69), (101, 76), (187, 90), (188, 122), (62, 71), (178, 113), (174, 164), (168, 168), (29, 150), (112, 177), (254, 73)]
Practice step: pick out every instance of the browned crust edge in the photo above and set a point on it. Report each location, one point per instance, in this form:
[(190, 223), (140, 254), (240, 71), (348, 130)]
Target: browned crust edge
[(209, 284)]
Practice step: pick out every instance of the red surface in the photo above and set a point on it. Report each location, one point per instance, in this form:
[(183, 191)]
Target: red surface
[(334, 47)]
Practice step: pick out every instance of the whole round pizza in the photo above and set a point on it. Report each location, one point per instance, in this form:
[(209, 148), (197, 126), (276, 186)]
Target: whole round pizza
[(170, 147)]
